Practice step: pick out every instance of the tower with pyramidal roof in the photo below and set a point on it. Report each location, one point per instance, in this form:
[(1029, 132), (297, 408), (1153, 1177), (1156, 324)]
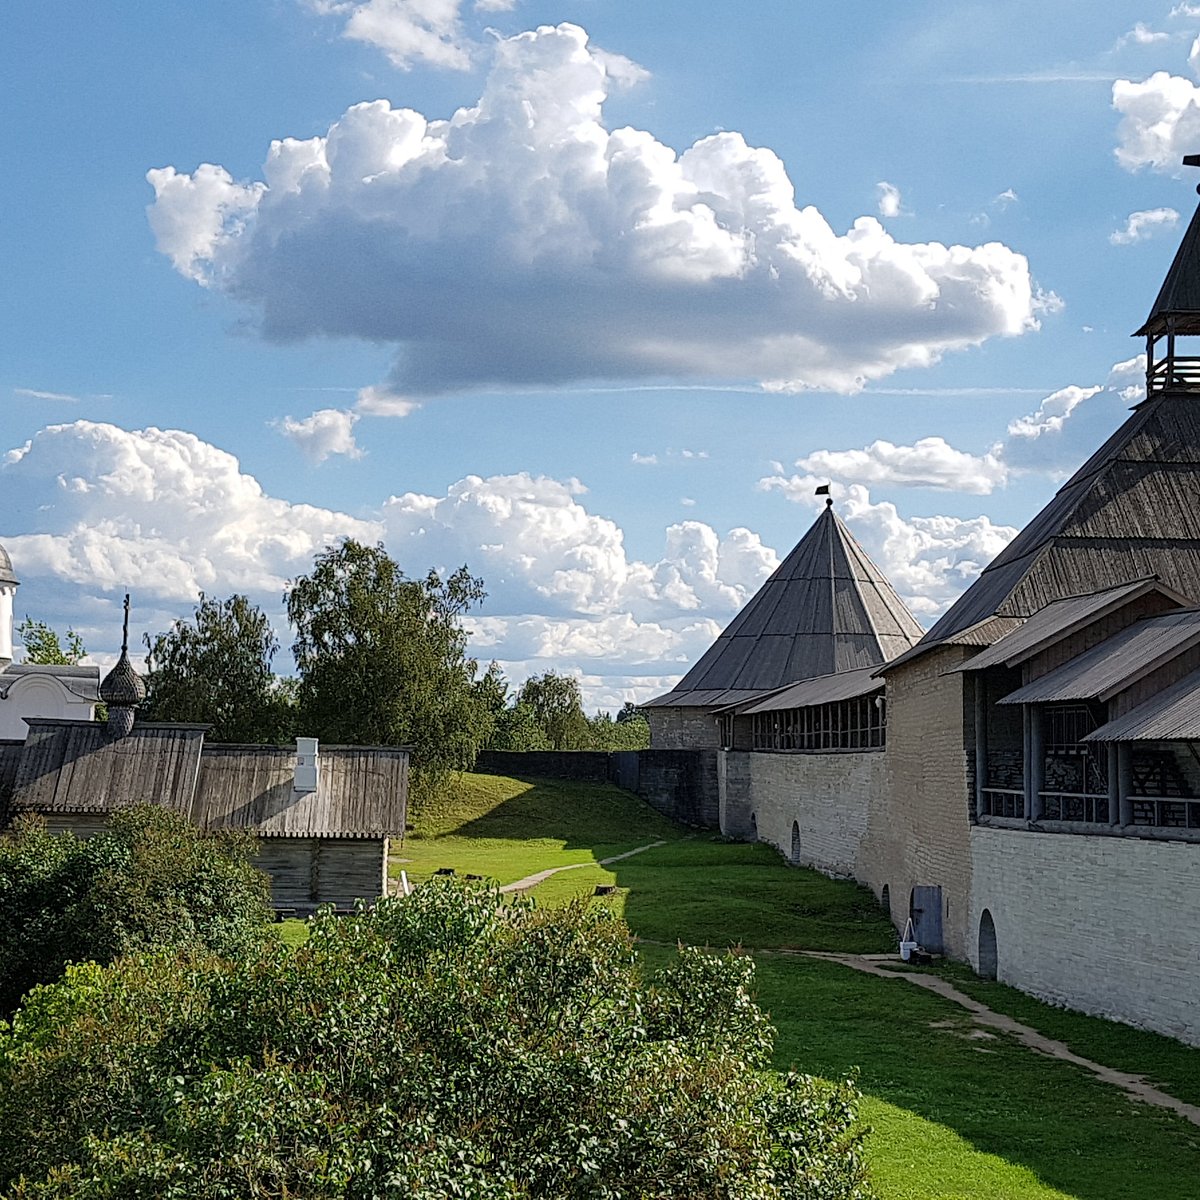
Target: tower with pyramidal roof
[(827, 608)]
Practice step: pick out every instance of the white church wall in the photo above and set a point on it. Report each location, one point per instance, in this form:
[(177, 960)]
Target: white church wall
[(1108, 925), (826, 796), (39, 696)]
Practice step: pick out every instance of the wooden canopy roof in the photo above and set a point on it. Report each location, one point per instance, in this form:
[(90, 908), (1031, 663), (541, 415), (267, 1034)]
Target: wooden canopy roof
[(827, 608)]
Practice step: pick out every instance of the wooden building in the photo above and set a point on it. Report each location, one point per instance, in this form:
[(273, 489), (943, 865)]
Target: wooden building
[(323, 839)]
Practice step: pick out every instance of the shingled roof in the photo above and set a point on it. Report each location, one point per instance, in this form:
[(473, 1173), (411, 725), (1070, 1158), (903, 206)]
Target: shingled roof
[(1131, 511), (1178, 302), (827, 608)]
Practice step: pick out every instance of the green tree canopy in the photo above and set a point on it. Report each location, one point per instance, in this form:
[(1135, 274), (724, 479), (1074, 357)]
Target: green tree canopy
[(43, 646), (382, 660), (216, 669), (557, 707), (151, 878), (433, 1046)]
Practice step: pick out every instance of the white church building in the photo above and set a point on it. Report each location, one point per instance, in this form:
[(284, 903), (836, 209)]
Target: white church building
[(27, 690)]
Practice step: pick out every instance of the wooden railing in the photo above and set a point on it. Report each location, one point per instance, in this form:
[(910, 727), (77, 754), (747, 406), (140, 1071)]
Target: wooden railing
[(1176, 373)]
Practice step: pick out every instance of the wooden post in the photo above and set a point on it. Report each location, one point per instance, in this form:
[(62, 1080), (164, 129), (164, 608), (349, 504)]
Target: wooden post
[(980, 743), (1125, 781), (1035, 772), (1114, 784)]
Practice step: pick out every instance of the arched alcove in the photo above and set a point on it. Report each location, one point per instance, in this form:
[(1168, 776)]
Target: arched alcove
[(988, 955), (795, 841), (753, 827), (885, 900)]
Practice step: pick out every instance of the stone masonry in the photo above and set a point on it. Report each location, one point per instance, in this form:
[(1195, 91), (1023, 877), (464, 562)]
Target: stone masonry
[(918, 831), (1108, 925)]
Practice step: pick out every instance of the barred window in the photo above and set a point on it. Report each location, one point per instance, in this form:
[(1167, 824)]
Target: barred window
[(858, 724)]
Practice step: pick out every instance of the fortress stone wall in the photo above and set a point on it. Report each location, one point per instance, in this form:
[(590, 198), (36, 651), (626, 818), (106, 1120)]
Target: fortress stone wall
[(824, 798), (1107, 925)]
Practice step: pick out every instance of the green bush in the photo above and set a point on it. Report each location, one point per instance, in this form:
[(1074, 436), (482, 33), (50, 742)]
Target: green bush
[(437, 1046), (150, 879)]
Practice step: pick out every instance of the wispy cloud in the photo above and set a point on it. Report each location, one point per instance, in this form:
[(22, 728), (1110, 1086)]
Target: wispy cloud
[(1140, 226), (38, 394)]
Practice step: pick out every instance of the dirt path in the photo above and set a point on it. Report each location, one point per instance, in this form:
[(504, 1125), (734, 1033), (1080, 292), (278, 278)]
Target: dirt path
[(531, 881), (1133, 1085)]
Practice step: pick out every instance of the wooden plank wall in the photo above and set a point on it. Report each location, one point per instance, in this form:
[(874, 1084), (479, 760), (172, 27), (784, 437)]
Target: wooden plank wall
[(307, 872)]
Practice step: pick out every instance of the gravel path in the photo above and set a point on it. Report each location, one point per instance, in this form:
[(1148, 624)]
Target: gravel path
[(531, 881), (1133, 1085)]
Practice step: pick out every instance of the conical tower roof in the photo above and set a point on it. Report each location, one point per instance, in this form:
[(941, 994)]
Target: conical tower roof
[(1177, 306), (1131, 511), (826, 608)]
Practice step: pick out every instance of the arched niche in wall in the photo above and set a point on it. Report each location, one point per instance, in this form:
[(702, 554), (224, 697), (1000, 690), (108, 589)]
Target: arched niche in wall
[(795, 841), (989, 959), (754, 827)]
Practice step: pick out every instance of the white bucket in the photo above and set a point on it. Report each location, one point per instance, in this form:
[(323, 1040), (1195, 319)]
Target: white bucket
[(906, 950)]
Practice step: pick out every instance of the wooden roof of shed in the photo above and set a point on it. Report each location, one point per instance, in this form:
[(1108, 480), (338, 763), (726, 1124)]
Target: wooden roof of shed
[(827, 608), (77, 766), (1132, 510), (362, 791)]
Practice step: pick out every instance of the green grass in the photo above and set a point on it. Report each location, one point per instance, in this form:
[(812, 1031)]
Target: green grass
[(953, 1116), (483, 827)]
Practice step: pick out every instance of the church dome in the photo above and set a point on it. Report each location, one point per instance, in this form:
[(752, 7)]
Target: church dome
[(6, 569), (123, 687)]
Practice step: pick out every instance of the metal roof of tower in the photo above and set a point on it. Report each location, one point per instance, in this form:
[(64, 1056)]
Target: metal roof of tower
[(1132, 510), (1178, 300), (827, 608)]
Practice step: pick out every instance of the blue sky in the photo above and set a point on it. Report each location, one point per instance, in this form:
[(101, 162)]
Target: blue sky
[(529, 288)]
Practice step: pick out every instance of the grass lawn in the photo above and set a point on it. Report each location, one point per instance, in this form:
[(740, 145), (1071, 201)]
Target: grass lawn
[(483, 827), (953, 1115)]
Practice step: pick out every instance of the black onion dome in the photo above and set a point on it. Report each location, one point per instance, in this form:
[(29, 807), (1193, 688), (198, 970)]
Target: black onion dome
[(6, 569), (123, 687)]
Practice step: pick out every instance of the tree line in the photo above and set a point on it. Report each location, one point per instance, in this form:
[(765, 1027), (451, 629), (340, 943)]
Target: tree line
[(381, 659)]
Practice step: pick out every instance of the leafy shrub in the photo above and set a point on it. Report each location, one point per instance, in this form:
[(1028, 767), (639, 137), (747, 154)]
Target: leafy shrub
[(437, 1046), (151, 878)]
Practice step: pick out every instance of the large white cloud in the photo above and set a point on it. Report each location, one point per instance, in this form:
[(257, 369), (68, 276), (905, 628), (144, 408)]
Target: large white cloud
[(522, 242), (160, 510), (929, 462), (1160, 121), (1032, 443), (92, 509)]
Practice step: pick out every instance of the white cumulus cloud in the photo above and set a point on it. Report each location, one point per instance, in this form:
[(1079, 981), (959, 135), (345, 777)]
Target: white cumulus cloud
[(523, 242), (888, 199), (327, 432), (1139, 226), (1160, 121), (930, 462)]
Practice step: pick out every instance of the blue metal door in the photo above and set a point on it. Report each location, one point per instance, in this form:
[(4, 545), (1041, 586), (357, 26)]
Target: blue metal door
[(926, 911)]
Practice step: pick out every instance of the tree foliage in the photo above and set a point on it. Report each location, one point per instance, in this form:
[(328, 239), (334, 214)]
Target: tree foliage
[(557, 707), (628, 733), (440, 1045), (43, 646), (151, 878), (216, 669), (382, 660)]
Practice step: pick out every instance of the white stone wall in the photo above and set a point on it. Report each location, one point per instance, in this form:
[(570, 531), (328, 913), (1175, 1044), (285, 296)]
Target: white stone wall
[(828, 796), (1108, 925), (39, 696)]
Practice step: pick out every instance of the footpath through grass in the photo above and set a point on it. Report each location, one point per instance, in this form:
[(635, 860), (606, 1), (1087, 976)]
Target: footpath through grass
[(956, 1113)]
